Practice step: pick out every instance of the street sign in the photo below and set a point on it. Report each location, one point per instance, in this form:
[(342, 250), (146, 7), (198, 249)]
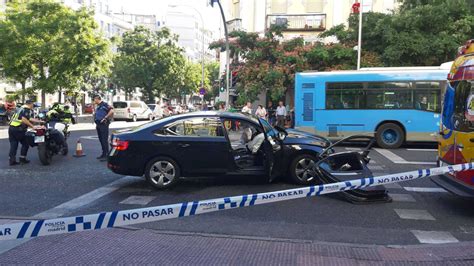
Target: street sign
[(202, 91)]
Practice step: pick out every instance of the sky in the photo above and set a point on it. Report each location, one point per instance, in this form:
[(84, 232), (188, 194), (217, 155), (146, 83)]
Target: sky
[(212, 18)]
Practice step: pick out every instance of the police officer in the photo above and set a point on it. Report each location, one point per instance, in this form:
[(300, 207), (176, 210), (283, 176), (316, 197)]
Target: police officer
[(60, 113), (21, 120), (103, 113)]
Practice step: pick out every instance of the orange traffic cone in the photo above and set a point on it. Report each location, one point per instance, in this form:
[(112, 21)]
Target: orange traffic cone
[(79, 152)]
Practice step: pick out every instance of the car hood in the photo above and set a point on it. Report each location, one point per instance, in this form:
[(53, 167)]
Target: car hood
[(301, 137)]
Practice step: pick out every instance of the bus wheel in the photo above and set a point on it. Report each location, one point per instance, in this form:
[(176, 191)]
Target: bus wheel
[(390, 136)]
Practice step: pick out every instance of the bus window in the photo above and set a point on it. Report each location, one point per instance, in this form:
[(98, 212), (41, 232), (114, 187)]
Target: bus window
[(428, 96), (389, 95), (464, 107), (344, 96)]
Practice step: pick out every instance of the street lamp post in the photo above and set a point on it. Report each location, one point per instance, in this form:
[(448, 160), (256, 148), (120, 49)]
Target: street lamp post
[(227, 52), (202, 40), (359, 45)]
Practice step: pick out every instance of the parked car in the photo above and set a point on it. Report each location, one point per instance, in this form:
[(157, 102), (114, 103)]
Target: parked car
[(89, 108), (217, 143), (157, 111), (132, 110)]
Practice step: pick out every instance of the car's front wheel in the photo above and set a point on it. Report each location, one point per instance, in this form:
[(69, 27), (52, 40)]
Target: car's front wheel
[(162, 173), (303, 170)]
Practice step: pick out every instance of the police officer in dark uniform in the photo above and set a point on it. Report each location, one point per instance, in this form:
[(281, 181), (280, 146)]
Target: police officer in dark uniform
[(103, 113), (20, 122)]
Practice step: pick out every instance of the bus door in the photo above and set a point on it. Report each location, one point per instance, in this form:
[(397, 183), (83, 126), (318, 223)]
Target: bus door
[(307, 119)]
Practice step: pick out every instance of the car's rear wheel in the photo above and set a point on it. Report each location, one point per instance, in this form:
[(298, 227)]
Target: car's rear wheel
[(151, 118), (303, 170), (134, 118), (162, 172)]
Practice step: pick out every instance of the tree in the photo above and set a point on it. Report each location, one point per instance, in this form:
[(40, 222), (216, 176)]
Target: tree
[(149, 60), (53, 45), (212, 70), (420, 33), (428, 34), (270, 64)]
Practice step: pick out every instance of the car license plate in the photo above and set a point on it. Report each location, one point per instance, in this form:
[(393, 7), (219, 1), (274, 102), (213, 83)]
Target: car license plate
[(39, 139)]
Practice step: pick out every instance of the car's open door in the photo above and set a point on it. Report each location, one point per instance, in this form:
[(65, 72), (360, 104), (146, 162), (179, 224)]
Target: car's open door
[(272, 147)]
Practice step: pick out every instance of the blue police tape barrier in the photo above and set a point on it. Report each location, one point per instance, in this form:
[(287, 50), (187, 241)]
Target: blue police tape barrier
[(136, 216)]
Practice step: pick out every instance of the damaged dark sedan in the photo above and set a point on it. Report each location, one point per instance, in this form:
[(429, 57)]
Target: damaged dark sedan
[(220, 143)]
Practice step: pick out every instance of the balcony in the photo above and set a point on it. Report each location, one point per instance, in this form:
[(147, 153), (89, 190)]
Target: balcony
[(304, 22), (234, 24)]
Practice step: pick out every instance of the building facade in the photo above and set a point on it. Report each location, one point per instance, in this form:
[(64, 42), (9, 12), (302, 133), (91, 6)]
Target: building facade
[(193, 35), (305, 18)]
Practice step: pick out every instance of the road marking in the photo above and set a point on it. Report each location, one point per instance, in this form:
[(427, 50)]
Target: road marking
[(410, 214), (399, 160), (426, 189), (138, 200), (69, 206), (402, 197), (393, 185), (422, 150), (434, 237), (353, 149), (90, 137), (88, 198)]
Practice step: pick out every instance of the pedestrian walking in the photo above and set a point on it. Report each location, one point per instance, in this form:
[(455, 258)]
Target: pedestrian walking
[(20, 122), (281, 114), (247, 109), (271, 113), (261, 112), (103, 114)]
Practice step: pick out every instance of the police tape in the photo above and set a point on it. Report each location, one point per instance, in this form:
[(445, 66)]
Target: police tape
[(113, 219)]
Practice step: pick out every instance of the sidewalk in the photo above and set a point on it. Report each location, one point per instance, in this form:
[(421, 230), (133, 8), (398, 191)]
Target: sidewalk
[(140, 246), (85, 126)]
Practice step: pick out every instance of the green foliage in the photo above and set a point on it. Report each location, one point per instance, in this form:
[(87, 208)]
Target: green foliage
[(421, 33), (212, 70), (149, 60), (53, 46), (270, 64)]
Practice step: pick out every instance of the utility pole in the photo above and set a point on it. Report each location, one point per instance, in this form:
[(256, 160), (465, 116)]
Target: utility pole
[(359, 44), (227, 52)]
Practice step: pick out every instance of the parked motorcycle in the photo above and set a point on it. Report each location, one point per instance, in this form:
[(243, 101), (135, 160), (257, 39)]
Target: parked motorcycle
[(51, 139), (5, 115)]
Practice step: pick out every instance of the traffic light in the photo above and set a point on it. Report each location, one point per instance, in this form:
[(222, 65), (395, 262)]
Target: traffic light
[(111, 88), (235, 79)]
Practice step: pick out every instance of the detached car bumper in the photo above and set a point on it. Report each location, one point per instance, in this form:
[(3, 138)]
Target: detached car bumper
[(450, 184)]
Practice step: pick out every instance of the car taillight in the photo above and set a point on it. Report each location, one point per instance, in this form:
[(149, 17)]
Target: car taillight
[(128, 109), (120, 145), (40, 132)]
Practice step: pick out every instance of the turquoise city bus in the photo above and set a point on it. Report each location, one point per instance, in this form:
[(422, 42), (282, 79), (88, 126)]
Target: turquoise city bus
[(394, 104)]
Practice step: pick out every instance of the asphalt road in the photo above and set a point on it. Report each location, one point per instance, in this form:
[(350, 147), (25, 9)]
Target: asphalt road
[(418, 206)]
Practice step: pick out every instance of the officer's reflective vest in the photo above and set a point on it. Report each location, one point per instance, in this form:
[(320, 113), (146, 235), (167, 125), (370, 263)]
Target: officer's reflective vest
[(15, 122)]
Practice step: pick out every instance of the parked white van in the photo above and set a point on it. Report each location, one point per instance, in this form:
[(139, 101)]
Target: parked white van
[(132, 110)]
